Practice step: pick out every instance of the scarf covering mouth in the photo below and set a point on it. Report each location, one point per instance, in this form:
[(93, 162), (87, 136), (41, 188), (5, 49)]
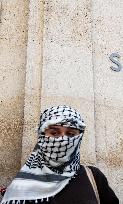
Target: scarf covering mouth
[(53, 162)]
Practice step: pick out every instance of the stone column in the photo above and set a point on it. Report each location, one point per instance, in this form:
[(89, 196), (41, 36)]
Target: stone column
[(13, 41), (67, 75), (107, 35), (33, 77)]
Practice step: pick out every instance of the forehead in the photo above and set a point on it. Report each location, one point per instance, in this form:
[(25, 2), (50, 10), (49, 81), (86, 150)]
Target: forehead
[(60, 127)]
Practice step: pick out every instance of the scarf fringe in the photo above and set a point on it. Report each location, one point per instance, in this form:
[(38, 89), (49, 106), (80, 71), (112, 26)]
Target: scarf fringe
[(36, 201), (23, 201)]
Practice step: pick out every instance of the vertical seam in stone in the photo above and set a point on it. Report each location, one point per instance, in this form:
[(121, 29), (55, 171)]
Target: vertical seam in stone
[(106, 146), (93, 71), (33, 20), (43, 2), (1, 8), (25, 82)]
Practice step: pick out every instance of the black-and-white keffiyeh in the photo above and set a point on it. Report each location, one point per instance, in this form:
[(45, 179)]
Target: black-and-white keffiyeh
[(53, 162)]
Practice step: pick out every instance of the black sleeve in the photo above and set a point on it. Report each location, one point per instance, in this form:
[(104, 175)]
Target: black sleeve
[(106, 194)]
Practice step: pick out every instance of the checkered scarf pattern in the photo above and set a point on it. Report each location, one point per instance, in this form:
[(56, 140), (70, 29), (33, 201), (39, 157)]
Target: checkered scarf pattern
[(53, 162)]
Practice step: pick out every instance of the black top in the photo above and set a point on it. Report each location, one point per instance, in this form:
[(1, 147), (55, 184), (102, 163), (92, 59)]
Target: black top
[(80, 191)]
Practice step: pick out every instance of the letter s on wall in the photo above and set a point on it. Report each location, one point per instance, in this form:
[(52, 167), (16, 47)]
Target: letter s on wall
[(112, 58)]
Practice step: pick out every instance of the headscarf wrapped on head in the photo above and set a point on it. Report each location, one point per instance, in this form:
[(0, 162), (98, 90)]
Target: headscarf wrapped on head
[(53, 162)]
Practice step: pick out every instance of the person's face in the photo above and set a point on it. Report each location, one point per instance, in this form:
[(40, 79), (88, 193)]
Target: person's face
[(58, 131)]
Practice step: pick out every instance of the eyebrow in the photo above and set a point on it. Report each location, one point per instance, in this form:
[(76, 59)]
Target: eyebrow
[(53, 127), (72, 129), (57, 128)]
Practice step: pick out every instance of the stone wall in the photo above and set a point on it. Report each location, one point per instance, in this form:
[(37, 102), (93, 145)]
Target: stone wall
[(57, 52), (13, 41)]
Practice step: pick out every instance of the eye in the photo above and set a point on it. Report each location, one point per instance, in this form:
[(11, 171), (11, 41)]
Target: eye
[(71, 134), (53, 133)]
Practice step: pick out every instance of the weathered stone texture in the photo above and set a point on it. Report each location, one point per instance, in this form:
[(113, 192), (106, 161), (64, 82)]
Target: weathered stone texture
[(33, 77), (13, 39), (67, 74), (62, 59), (107, 37)]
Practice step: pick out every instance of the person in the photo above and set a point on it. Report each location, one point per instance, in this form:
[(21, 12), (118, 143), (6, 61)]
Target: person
[(53, 174)]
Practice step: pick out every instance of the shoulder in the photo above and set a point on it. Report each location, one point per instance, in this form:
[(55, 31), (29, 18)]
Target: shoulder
[(96, 170), (105, 191), (97, 173), (99, 177)]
